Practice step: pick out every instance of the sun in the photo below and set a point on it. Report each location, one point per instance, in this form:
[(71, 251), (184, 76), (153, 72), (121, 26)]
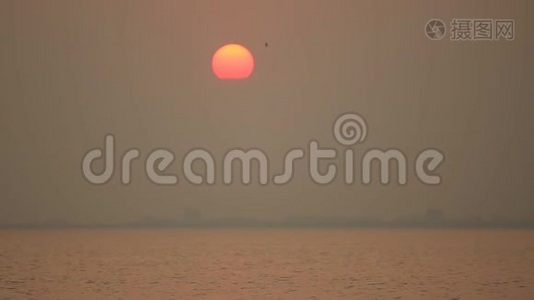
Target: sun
[(232, 61)]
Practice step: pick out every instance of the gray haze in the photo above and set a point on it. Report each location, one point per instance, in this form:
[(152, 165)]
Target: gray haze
[(73, 71)]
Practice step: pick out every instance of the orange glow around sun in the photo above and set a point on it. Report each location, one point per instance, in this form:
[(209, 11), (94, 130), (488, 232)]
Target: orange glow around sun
[(232, 61)]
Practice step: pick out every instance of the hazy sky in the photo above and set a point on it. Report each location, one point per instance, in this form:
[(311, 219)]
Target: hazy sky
[(72, 71)]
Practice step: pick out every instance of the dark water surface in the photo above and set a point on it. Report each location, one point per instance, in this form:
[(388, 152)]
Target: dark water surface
[(267, 264)]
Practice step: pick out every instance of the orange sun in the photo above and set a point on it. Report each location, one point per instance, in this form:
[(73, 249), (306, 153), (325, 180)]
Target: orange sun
[(232, 61)]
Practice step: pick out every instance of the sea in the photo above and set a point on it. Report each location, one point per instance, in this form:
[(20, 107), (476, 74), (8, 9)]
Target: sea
[(274, 263)]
